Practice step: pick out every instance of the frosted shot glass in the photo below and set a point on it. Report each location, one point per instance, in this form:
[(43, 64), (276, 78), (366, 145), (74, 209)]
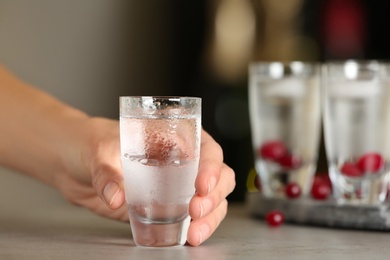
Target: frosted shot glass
[(284, 106), (160, 147), (356, 127)]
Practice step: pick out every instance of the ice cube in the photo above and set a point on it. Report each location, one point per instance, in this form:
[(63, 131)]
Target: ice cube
[(289, 88), (175, 163), (133, 157), (355, 89), (149, 162)]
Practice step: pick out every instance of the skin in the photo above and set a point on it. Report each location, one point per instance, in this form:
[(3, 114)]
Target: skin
[(79, 155)]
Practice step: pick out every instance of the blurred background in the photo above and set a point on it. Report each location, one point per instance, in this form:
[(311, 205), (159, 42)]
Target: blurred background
[(88, 53)]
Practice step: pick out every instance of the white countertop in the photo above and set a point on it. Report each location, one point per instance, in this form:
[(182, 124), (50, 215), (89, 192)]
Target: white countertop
[(36, 223)]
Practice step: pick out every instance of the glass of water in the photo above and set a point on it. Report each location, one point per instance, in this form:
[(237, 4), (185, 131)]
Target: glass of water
[(284, 104), (356, 124), (160, 146)]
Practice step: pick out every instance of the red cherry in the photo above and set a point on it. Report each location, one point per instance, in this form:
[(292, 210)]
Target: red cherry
[(290, 161), (321, 189), (370, 162), (293, 190), (275, 218), (273, 150), (351, 170)]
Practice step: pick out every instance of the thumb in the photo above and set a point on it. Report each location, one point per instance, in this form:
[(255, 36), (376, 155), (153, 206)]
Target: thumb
[(108, 183)]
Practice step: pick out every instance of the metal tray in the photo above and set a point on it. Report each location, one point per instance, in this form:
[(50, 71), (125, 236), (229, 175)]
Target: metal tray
[(327, 213)]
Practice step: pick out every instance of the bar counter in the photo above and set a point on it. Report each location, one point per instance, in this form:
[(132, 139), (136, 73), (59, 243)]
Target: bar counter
[(37, 223)]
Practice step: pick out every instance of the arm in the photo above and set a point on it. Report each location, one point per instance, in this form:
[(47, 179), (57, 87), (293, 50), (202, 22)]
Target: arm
[(35, 127), (61, 146)]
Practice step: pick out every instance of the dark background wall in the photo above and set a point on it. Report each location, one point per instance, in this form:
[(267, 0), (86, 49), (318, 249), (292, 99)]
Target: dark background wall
[(87, 53)]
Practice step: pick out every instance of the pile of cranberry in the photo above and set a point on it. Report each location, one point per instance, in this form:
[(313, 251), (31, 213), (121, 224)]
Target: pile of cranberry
[(320, 190), (367, 163), (277, 152)]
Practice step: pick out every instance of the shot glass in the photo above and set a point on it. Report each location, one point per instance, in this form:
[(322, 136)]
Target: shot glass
[(160, 146), (284, 106), (356, 127)]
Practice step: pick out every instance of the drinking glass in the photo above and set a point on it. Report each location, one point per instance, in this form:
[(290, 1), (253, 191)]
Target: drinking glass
[(356, 126), (160, 146), (284, 104)]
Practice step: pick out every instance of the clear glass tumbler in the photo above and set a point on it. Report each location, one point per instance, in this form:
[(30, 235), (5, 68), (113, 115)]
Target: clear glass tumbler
[(356, 125), (160, 146), (284, 104)]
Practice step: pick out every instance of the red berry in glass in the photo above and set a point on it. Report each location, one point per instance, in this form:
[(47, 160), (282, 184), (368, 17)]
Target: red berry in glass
[(275, 218), (293, 190), (359, 193), (321, 188), (370, 162), (272, 150), (387, 191), (290, 161), (351, 170)]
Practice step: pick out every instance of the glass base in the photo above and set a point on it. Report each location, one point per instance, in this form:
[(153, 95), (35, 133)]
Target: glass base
[(274, 179), (366, 190), (159, 235)]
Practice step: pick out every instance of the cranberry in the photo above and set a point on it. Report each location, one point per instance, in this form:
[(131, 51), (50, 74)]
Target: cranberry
[(290, 161), (273, 150), (359, 193), (275, 218), (388, 191), (347, 196), (321, 188), (323, 177), (370, 162), (351, 170), (293, 190)]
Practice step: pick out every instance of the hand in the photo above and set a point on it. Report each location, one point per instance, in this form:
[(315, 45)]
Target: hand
[(94, 180)]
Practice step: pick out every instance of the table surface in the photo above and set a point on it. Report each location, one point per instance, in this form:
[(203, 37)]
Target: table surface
[(36, 223)]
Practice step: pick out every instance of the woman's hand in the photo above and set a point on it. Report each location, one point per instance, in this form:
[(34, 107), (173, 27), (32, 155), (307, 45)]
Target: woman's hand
[(94, 179)]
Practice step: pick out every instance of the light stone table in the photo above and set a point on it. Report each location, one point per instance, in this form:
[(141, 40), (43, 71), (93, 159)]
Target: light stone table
[(36, 223)]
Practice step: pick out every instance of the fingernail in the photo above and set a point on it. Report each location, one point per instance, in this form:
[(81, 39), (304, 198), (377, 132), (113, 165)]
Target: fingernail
[(203, 231), (212, 183), (110, 191)]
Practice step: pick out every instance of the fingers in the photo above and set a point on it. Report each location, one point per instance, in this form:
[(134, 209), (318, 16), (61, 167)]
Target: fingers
[(211, 159), (203, 205), (201, 229), (208, 211), (214, 182)]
